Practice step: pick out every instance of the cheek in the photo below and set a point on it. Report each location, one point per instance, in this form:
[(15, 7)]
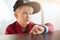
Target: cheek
[(21, 17)]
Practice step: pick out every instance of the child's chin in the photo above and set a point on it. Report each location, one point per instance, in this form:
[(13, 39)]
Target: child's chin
[(28, 22)]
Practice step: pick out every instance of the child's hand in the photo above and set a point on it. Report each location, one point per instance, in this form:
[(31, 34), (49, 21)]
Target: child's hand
[(37, 29)]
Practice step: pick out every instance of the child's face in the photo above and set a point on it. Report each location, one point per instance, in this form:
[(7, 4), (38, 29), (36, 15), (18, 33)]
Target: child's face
[(23, 14)]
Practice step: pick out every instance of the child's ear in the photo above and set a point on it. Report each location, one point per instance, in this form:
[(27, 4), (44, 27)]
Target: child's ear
[(15, 14)]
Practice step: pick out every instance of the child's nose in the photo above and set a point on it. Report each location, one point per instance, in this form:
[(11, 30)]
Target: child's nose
[(28, 15)]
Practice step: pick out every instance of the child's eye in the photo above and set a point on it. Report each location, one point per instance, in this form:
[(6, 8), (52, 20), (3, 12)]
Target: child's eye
[(30, 13), (27, 13), (24, 13)]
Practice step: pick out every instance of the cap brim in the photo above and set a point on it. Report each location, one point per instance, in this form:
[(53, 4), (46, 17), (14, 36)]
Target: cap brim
[(35, 5)]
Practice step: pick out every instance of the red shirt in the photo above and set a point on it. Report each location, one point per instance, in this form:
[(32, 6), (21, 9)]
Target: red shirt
[(15, 28)]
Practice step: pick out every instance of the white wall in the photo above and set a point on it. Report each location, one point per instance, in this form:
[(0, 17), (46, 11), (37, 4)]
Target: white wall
[(51, 11)]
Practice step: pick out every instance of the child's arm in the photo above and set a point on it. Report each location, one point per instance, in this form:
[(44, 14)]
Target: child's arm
[(37, 29)]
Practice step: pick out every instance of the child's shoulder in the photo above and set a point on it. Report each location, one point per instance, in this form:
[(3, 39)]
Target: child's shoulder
[(12, 25)]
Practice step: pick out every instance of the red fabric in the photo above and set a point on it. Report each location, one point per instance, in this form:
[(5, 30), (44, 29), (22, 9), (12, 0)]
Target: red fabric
[(15, 28), (50, 27)]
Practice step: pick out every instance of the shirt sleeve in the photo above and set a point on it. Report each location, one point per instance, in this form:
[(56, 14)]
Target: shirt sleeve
[(9, 30), (50, 27)]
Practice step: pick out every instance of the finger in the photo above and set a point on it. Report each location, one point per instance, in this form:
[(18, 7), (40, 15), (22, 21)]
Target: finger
[(41, 28), (33, 29), (30, 31), (34, 33), (39, 32)]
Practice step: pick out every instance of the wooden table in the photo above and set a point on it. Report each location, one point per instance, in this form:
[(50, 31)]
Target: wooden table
[(50, 36)]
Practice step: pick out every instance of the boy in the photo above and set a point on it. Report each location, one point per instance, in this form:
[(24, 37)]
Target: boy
[(22, 13)]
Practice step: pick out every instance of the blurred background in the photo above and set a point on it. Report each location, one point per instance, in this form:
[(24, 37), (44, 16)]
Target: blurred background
[(49, 8)]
